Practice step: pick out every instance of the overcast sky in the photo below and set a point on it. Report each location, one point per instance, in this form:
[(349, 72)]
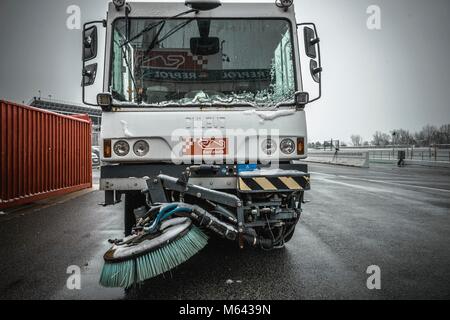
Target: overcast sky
[(396, 77)]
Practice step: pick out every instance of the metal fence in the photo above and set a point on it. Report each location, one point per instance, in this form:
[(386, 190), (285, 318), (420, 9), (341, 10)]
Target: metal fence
[(42, 154), (420, 154)]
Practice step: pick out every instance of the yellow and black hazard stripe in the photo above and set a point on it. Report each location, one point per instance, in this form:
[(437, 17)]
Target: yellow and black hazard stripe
[(276, 184)]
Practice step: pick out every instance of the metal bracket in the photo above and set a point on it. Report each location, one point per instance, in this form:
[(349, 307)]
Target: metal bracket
[(112, 197), (171, 183)]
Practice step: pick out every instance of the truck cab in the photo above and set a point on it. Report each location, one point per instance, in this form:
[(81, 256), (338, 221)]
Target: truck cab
[(204, 102)]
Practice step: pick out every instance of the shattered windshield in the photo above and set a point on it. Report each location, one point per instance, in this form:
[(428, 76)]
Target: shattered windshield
[(202, 62)]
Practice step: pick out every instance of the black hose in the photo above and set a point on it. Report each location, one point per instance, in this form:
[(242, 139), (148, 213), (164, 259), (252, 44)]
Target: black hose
[(291, 229), (258, 241), (225, 230), (207, 220)]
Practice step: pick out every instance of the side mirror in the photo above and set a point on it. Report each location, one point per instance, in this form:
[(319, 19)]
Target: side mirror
[(90, 43), (205, 46), (315, 70), (309, 44), (89, 50), (89, 75)]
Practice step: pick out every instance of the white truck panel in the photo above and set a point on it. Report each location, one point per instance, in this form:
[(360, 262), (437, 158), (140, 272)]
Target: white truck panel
[(163, 129)]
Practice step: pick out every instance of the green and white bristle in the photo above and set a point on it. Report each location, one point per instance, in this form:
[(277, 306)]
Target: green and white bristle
[(125, 274)]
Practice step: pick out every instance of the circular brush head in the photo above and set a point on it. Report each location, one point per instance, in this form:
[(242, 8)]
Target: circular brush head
[(141, 257)]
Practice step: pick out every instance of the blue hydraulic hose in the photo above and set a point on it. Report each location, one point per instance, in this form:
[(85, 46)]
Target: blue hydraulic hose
[(163, 214), (176, 210), (152, 228), (167, 208)]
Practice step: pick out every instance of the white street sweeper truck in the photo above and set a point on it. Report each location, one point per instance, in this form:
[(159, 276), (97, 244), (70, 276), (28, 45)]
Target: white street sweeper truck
[(203, 123)]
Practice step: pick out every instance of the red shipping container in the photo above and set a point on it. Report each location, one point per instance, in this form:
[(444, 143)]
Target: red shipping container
[(43, 154)]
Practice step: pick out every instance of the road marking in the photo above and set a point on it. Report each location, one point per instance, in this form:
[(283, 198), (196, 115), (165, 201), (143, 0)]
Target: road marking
[(384, 182), (371, 189)]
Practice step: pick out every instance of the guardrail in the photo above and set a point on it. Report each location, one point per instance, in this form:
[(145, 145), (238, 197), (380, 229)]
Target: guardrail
[(345, 158), (42, 154), (432, 156), (421, 154)]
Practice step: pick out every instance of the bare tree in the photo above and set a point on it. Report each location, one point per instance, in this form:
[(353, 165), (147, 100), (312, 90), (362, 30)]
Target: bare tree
[(403, 137), (444, 134), (426, 137), (381, 139), (356, 140)]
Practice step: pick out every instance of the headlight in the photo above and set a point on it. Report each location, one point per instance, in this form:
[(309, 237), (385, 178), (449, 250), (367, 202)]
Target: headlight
[(121, 148), (287, 146), (141, 148), (269, 147)]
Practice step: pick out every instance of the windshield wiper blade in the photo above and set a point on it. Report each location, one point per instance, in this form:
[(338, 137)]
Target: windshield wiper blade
[(155, 40), (171, 32), (154, 25)]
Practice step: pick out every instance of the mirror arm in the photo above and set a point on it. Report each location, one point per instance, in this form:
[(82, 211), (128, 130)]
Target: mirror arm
[(83, 90), (314, 41), (87, 73), (317, 70), (87, 43)]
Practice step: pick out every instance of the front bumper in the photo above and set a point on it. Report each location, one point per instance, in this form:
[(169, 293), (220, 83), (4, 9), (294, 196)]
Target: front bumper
[(129, 177)]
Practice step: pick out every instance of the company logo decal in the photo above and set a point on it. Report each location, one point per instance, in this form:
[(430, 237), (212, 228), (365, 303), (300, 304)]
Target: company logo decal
[(205, 146)]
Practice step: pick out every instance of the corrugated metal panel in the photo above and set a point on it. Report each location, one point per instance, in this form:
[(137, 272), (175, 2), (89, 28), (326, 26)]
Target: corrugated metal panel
[(42, 154)]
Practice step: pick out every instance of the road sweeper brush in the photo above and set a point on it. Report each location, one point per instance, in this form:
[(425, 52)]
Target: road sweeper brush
[(147, 255), (164, 240)]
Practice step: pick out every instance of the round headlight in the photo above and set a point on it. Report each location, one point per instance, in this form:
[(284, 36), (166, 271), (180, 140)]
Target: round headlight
[(121, 148), (287, 146), (269, 147), (141, 148)]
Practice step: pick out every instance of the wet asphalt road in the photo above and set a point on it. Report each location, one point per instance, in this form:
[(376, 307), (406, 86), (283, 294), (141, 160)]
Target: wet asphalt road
[(396, 218)]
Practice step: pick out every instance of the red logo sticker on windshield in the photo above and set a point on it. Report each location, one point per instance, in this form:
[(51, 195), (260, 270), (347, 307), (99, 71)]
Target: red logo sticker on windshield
[(173, 59)]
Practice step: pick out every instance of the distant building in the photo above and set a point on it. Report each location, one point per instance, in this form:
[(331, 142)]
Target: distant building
[(68, 108)]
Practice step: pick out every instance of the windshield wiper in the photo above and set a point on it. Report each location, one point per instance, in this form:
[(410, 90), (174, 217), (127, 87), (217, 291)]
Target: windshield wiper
[(155, 41), (168, 34), (154, 25)]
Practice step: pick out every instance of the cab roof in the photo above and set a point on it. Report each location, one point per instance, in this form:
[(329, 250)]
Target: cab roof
[(226, 10)]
